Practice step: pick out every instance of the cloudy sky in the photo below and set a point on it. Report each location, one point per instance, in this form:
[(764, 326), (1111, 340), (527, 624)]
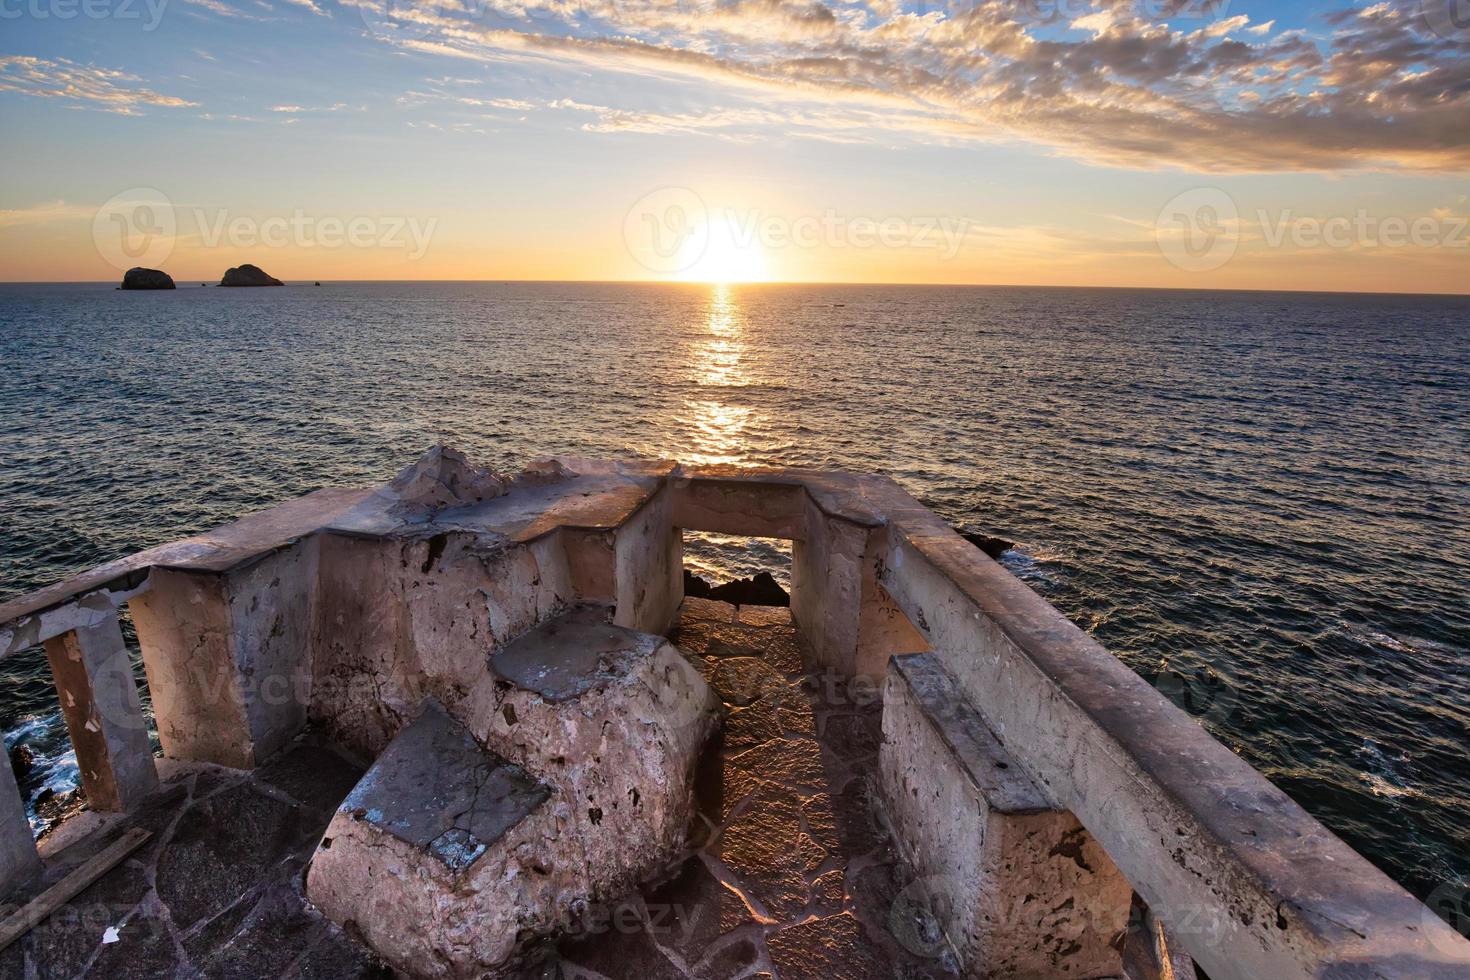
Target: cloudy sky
[(1190, 143)]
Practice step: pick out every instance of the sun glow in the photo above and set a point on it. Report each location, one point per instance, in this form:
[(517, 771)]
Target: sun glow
[(726, 253)]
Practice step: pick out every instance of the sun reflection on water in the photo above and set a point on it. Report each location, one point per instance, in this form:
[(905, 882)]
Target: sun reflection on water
[(719, 431)]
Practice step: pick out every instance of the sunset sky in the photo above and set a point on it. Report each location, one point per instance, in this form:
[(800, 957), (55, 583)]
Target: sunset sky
[(1188, 143)]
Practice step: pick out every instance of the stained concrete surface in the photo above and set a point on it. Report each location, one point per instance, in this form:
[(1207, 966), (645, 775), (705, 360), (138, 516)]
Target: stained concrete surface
[(215, 893), (437, 789)]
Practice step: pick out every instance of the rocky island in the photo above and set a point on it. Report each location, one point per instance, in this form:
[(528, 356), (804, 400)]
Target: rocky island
[(249, 275), (140, 278)]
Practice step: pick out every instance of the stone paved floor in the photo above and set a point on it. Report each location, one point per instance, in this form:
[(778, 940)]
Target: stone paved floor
[(792, 875), (216, 892)]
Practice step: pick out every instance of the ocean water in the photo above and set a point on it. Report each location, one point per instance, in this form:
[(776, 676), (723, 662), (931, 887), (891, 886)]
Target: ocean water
[(1260, 502)]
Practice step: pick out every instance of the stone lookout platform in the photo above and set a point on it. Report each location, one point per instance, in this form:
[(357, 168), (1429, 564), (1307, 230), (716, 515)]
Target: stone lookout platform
[(467, 725)]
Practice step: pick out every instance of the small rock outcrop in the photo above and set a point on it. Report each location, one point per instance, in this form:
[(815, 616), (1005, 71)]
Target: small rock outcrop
[(249, 275), (761, 589), (140, 278), (991, 545), (22, 761)]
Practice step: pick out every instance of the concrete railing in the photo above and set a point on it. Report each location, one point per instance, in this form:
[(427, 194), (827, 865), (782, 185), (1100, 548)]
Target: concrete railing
[(1197, 832)]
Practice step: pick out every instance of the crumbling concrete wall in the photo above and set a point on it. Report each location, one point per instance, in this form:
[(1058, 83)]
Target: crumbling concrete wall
[(401, 619), (224, 653)]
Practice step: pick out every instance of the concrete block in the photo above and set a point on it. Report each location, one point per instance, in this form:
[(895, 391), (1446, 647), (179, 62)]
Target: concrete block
[(615, 721), (404, 618), (1019, 888), (445, 856), (99, 701)]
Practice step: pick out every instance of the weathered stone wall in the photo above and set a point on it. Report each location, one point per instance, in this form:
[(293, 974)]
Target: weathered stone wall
[(401, 619)]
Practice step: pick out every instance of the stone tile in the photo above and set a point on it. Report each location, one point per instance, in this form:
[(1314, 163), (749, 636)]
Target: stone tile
[(782, 651), (730, 960), (767, 847), (145, 949), (795, 764), (831, 948), (315, 776), (747, 615), (693, 609), (740, 681), (829, 891), (756, 724), (691, 912), (221, 848), (706, 639)]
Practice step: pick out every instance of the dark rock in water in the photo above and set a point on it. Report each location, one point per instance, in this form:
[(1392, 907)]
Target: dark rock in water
[(22, 760), (992, 546), (316, 284), (761, 590), (140, 278), (249, 275)]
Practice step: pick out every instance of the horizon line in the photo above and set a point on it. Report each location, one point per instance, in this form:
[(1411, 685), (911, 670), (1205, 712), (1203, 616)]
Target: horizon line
[(772, 282)]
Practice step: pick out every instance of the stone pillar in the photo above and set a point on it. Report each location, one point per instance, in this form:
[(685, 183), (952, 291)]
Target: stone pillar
[(19, 862), (228, 655), (649, 567), (850, 623), (99, 700), (827, 589)]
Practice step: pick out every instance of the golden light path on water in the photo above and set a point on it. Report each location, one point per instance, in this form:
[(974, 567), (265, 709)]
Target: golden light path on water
[(716, 427)]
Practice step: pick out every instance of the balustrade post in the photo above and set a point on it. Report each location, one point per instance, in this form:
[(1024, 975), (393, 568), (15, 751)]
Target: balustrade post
[(19, 862), (99, 700)]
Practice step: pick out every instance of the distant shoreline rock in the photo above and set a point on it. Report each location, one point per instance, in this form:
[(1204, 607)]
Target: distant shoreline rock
[(249, 275), (762, 589), (140, 278)]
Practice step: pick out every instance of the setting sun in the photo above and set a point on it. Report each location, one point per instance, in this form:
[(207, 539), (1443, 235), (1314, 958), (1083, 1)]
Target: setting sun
[(727, 253)]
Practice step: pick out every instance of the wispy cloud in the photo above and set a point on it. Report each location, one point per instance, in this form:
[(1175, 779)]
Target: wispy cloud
[(84, 85), (45, 214), (1377, 87)]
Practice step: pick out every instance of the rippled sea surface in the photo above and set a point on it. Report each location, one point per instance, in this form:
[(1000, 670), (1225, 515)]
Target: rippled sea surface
[(1259, 501)]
